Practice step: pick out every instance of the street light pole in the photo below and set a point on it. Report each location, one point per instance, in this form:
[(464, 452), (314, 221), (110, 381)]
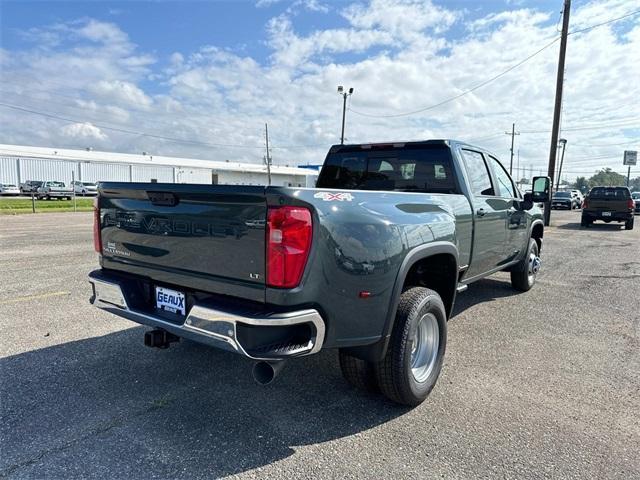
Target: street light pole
[(345, 94), (562, 142)]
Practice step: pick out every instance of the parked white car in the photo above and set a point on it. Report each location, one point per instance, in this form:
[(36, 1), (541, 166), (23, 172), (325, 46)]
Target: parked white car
[(85, 188), (578, 195), (9, 189), (51, 190)]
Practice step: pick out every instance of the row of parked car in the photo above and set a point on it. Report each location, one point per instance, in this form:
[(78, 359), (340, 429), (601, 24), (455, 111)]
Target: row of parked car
[(49, 189), (569, 200)]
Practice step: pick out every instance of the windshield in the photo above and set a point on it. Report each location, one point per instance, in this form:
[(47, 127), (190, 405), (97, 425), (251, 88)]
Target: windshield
[(562, 195), (635, 195), (614, 193), (422, 169)]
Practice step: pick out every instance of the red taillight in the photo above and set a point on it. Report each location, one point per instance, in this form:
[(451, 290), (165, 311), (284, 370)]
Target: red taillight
[(288, 243), (97, 241), (585, 203), (630, 204)]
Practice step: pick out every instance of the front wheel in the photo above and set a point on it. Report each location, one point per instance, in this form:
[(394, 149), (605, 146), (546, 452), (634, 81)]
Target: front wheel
[(414, 358), (523, 276)]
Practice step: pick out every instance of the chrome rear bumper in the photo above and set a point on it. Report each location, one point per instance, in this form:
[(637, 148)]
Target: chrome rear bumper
[(218, 328)]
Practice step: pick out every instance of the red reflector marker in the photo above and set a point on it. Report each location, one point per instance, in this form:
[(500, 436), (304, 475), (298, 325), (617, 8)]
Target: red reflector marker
[(364, 294), (97, 240), (289, 231)]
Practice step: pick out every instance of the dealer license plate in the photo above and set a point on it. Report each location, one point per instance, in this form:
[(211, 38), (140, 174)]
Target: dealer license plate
[(606, 214), (170, 300)]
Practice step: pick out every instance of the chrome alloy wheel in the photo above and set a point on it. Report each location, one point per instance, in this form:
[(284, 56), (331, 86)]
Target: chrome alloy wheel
[(424, 351), (534, 266)]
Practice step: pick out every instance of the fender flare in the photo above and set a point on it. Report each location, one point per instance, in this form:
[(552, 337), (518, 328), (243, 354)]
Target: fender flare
[(533, 224), (415, 255)]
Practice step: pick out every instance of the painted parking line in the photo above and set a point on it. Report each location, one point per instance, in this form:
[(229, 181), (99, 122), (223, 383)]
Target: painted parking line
[(28, 298)]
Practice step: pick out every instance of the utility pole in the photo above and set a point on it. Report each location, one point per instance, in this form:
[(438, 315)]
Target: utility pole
[(268, 156), (513, 133), (553, 150), (562, 142)]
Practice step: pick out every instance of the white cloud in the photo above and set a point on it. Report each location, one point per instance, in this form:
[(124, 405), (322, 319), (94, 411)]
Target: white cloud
[(293, 51), (398, 55), (400, 17), (103, 32), (83, 131), (124, 93)]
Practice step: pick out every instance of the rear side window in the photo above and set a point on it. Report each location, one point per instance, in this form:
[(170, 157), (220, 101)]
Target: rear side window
[(479, 177), (399, 169), (620, 193)]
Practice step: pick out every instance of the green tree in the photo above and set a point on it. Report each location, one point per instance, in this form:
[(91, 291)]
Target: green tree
[(581, 184), (634, 184), (607, 178)]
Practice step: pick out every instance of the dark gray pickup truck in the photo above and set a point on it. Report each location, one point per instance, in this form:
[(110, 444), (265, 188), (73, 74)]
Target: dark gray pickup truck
[(369, 262)]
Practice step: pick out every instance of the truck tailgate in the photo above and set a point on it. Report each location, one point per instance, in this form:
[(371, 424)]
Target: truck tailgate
[(212, 235), (612, 204)]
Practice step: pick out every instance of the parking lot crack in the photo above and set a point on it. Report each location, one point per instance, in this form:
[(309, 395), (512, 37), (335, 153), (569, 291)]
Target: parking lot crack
[(99, 430)]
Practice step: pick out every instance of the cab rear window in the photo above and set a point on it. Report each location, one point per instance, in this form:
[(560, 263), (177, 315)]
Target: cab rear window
[(397, 169), (621, 193)]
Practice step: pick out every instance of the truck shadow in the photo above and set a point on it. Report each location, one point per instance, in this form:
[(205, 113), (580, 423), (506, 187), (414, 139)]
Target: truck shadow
[(595, 226), (109, 407), (485, 290)]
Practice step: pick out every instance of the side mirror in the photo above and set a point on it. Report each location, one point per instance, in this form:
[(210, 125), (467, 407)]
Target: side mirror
[(540, 191), (527, 202)]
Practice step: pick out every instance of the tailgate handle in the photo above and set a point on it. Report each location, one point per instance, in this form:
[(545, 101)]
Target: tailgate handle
[(163, 198)]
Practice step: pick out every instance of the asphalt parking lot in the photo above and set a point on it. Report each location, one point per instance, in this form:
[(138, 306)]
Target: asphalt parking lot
[(544, 384)]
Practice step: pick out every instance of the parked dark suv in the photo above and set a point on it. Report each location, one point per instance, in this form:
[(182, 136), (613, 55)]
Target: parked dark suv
[(566, 200), (609, 204)]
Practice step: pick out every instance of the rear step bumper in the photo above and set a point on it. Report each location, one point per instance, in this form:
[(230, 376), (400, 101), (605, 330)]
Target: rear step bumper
[(259, 336)]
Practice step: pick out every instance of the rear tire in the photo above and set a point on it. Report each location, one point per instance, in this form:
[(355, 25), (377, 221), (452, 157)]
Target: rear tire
[(584, 221), (359, 373), (629, 224), (415, 354), (523, 275)]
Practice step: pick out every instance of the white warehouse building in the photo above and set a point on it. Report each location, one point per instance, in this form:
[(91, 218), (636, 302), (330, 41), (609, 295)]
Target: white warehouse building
[(21, 163)]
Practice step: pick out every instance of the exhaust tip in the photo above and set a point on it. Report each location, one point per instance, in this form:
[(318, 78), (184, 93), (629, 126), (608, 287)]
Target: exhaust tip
[(265, 372)]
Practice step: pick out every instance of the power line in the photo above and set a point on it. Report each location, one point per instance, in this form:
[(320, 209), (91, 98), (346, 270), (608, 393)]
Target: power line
[(482, 84), (150, 135), (630, 14), (466, 92), (620, 123), (606, 144)]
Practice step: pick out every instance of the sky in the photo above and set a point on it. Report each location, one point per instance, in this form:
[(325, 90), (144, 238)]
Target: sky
[(201, 79)]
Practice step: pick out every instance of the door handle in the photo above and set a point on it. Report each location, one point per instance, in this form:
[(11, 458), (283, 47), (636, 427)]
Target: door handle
[(480, 212)]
